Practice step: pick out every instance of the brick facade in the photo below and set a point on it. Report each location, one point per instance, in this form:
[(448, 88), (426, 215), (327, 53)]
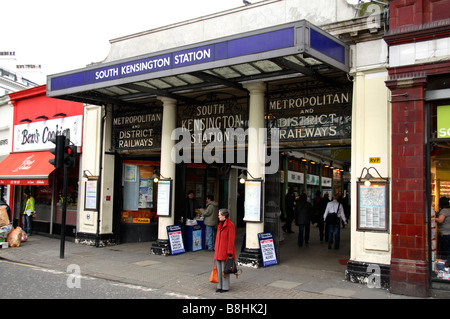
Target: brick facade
[(409, 273), (411, 21)]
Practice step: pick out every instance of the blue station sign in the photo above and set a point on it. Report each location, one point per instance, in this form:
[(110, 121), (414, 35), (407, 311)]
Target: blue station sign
[(268, 43)]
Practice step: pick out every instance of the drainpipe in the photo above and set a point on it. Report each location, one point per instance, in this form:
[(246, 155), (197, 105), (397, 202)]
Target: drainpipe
[(99, 181)]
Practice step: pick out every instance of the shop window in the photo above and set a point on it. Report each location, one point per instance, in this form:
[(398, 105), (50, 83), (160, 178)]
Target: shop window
[(72, 196), (43, 197), (439, 159), (139, 192)]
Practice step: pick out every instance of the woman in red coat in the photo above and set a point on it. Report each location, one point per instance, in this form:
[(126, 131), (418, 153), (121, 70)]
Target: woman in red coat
[(224, 247)]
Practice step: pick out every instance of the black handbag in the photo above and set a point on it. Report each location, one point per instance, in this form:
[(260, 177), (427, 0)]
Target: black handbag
[(230, 266)]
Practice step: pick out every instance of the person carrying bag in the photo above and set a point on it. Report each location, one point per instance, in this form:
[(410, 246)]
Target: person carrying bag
[(331, 216), (224, 248)]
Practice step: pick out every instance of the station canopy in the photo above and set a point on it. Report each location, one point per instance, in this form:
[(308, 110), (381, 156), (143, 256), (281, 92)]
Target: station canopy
[(289, 51)]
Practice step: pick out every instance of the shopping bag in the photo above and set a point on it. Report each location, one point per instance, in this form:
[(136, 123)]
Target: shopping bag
[(214, 277)]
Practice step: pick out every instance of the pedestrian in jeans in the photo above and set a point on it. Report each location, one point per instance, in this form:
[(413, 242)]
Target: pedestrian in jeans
[(28, 212), (210, 220), (331, 216)]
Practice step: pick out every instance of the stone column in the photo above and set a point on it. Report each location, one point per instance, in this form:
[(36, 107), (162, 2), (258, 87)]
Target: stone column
[(167, 170), (251, 255)]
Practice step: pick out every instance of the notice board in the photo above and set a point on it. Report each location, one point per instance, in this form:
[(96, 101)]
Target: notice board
[(267, 246), (175, 239)]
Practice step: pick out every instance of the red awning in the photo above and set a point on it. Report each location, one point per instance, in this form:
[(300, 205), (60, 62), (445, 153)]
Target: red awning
[(28, 168)]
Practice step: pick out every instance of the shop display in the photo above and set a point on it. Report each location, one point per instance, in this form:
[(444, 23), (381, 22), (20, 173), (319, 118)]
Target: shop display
[(440, 267), (138, 206), (445, 189), (5, 227)]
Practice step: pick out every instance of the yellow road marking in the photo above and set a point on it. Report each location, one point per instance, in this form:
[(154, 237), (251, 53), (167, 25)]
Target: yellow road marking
[(20, 264)]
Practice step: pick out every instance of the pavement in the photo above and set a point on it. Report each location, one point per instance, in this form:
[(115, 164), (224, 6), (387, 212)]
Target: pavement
[(309, 272)]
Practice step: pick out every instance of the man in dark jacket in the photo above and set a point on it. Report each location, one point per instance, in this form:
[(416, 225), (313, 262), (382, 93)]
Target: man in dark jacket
[(321, 206), (303, 215), (289, 205), (191, 206)]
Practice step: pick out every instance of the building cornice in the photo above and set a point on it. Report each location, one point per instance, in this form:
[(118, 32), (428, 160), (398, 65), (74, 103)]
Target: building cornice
[(24, 94), (356, 30), (411, 34)]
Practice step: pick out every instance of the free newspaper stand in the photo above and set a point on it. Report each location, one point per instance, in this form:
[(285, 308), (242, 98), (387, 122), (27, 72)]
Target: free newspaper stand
[(194, 237)]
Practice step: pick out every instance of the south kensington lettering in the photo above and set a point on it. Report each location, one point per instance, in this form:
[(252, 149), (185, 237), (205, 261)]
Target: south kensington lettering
[(210, 120), (154, 64)]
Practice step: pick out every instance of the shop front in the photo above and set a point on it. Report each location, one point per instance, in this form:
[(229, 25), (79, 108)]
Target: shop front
[(419, 84), (36, 120), (216, 122), (278, 104), (439, 164)]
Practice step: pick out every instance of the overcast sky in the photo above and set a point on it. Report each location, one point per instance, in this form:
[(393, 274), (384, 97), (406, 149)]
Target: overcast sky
[(65, 35)]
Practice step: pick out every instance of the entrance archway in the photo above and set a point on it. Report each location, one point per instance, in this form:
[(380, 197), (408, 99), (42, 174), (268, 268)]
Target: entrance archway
[(316, 172)]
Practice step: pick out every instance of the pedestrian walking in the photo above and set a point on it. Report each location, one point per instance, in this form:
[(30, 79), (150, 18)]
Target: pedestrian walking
[(332, 215), (303, 216), (289, 206), (321, 207)]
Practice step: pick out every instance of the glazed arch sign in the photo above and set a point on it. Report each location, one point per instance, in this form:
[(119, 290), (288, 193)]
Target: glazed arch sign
[(311, 116), (137, 131)]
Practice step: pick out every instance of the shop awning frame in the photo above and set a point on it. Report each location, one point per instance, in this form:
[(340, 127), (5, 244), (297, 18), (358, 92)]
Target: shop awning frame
[(293, 49), (26, 168)]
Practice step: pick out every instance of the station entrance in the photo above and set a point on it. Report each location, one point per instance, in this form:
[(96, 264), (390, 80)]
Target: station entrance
[(320, 173)]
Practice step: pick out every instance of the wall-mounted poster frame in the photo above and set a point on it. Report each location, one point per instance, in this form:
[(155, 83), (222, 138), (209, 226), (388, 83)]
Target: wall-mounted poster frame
[(253, 200), (373, 206), (164, 202), (90, 194)]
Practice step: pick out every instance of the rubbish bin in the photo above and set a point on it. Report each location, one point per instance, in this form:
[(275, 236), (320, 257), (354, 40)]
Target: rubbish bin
[(194, 238)]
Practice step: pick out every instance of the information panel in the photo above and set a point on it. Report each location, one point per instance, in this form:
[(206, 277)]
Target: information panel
[(267, 247), (253, 201), (164, 197), (90, 195), (373, 204), (175, 239)]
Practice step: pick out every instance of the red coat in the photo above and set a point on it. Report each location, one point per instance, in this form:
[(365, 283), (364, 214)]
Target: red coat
[(225, 238)]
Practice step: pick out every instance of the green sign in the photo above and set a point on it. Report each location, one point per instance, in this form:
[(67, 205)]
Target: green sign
[(443, 121)]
